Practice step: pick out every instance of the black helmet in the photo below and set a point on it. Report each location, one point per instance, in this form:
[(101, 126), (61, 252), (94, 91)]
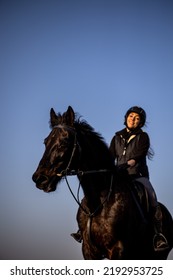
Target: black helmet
[(139, 111)]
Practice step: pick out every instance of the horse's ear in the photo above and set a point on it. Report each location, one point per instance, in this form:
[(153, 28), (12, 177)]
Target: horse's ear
[(53, 118), (69, 116)]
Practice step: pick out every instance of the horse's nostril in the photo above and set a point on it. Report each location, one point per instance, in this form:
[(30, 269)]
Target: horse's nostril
[(42, 179), (39, 179), (34, 177)]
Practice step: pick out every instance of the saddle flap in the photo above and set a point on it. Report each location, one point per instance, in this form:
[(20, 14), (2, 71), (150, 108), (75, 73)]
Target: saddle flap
[(141, 195)]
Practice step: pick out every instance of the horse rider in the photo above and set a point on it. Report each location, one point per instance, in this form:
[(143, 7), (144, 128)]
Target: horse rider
[(131, 146)]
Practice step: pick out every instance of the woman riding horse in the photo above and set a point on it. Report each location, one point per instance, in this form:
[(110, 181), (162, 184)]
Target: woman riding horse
[(110, 224), (130, 146)]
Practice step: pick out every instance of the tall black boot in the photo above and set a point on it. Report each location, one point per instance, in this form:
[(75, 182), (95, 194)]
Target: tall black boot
[(160, 242)]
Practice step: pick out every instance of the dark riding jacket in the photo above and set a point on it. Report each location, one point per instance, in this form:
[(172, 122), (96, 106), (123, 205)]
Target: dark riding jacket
[(131, 145)]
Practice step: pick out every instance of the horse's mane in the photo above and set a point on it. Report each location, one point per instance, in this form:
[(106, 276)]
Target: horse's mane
[(89, 139), (87, 128), (93, 140)]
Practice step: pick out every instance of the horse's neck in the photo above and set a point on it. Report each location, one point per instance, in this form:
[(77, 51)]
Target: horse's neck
[(94, 185), (91, 193)]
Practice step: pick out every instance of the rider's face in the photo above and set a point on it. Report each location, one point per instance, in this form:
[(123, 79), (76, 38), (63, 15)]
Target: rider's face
[(133, 120)]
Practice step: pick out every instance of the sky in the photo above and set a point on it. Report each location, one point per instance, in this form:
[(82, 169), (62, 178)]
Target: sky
[(100, 57)]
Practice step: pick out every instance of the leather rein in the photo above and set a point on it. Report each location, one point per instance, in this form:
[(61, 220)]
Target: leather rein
[(67, 172)]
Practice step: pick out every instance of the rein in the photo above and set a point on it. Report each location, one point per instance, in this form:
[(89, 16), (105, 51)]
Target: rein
[(90, 215), (67, 172), (72, 173)]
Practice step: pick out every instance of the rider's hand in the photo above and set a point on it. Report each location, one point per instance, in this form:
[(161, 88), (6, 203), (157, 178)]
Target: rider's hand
[(131, 162)]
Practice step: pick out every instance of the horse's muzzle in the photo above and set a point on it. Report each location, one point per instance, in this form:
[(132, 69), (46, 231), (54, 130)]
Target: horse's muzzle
[(39, 179), (44, 183)]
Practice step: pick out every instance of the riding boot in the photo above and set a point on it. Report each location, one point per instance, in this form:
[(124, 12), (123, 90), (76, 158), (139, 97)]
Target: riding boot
[(160, 242), (77, 236)]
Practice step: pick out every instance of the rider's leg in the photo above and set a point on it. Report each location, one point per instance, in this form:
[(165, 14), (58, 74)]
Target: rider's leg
[(160, 242)]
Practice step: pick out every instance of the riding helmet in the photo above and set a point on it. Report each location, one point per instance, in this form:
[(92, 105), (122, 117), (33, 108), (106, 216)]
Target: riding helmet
[(139, 111)]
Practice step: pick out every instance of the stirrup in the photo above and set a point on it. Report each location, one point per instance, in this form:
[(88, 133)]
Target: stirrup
[(77, 236), (160, 242)]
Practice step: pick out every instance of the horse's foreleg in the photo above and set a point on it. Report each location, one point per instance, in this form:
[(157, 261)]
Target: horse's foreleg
[(116, 252), (89, 253)]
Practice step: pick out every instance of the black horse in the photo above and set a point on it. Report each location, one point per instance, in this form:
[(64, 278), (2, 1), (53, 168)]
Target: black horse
[(111, 225)]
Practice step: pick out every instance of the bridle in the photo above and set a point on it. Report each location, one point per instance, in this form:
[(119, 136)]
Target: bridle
[(67, 170), (70, 172)]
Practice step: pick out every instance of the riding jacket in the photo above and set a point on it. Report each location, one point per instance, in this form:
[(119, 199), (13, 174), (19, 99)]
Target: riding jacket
[(131, 145)]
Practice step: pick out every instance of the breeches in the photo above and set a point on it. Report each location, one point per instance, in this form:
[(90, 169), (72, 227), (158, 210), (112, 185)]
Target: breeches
[(150, 190)]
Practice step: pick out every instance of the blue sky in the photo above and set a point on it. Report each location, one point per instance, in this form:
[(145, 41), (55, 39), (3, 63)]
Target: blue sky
[(100, 57)]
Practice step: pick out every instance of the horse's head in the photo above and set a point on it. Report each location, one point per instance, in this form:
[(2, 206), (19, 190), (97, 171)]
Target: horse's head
[(60, 150)]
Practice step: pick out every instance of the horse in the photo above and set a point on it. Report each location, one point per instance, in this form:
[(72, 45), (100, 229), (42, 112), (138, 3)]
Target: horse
[(109, 221)]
